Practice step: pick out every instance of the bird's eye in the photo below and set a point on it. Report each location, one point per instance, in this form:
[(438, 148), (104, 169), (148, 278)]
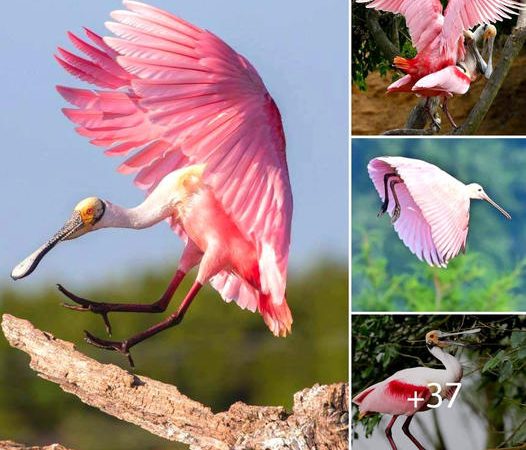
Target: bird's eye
[(89, 211)]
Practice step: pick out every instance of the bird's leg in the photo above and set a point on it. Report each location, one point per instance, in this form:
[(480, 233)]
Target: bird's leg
[(389, 434), (427, 108), (104, 308), (172, 320), (396, 211), (405, 428), (448, 115), (385, 204)]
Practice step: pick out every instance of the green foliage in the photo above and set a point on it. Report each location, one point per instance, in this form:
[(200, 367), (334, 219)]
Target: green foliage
[(470, 283), (220, 354), (490, 277), (384, 344)]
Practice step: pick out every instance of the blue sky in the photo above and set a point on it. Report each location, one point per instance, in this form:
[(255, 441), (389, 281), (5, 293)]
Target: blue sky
[(299, 49)]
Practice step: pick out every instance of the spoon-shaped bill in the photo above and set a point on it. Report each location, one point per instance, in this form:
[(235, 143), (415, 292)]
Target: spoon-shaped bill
[(29, 264), (492, 203), (443, 336)]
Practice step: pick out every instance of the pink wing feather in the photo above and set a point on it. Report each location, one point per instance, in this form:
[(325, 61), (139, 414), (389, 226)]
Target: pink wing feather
[(434, 217), (450, 80), (185, 97), (423, 17), (462, 15)]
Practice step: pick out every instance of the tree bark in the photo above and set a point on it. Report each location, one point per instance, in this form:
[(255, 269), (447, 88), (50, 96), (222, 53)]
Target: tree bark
[(10, 445), (385, 45), (319, 419)]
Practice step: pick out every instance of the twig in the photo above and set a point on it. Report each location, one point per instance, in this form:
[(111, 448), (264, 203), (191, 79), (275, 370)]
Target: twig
[(319, 417)]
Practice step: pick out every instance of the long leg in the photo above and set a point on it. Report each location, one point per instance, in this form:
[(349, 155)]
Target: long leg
[(405, 428), (190, 257), (448, 114), (385, 204), (170, 321), (427, 108), (397, 209), (389, 433), (104, 308)]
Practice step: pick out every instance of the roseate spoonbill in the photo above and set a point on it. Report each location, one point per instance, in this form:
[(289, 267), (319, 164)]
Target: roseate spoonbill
[(439, 40), (429, 386), (210, 152), (428, 207)]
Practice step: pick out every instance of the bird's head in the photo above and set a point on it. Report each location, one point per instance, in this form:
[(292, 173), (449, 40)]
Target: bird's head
[(86, 217), (437, 338), (475, 191)]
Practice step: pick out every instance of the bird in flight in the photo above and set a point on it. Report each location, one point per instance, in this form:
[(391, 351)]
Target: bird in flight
[(429, 208), (206, 142)]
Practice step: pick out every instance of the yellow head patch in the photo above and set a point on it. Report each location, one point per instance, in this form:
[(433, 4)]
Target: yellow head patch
[(90, 209)]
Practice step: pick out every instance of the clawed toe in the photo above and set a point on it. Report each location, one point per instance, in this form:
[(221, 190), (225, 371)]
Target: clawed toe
[(117, 346), (84, 305)]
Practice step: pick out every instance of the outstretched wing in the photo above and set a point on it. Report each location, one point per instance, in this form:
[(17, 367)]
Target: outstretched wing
[(433, 222), (180, 95), (462, 15), (423, 17)]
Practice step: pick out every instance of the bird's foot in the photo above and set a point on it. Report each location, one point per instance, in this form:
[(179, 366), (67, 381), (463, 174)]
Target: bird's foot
[(383, 209), (396, 213), (117, 346), (87, 305)]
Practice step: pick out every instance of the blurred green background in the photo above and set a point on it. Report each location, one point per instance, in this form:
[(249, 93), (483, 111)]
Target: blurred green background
[(387, 276), (219, 354)]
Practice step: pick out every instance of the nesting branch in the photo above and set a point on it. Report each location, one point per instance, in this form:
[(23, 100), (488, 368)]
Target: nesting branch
[(319, 418)]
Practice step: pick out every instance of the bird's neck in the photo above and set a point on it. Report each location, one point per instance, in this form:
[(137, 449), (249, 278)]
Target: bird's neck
[(451, 363), (142, 216)]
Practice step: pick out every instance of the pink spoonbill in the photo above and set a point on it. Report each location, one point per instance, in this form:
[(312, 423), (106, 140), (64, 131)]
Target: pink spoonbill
[(438, 37), (429, 386), (207, 146), (428, 207)]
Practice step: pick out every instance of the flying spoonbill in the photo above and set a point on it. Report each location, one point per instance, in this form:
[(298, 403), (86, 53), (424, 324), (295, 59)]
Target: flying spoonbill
[(428, 207)]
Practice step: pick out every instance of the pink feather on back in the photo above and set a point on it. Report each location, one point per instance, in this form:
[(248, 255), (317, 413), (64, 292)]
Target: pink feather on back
[(180, 95)]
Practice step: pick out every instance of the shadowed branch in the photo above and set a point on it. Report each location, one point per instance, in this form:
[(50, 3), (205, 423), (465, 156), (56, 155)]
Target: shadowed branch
[(319, 418)]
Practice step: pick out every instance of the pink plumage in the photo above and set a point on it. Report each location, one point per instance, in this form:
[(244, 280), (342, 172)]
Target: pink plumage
[(429, 207), (438, 37), (176, 95)]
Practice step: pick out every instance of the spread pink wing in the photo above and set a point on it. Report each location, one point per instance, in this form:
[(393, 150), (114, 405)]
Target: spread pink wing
[(449, 80), (179, 95), (434, 216), (423, 17), (462, 15)]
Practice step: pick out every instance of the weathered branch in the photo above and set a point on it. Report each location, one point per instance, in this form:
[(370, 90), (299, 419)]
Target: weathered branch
[(385, 45), (319, 418), (511, 49), (10, 445), (409, 132)]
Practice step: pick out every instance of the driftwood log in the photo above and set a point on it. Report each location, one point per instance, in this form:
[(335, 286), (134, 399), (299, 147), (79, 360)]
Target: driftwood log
[(319, 418)]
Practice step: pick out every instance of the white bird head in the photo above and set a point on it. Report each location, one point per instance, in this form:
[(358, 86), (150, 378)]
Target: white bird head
[(92, 213), (475, 191), (437, 338)]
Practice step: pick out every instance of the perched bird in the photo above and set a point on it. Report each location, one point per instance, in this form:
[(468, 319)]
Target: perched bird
[(209, 150), (430, 386), (438, 37), (428, 207)]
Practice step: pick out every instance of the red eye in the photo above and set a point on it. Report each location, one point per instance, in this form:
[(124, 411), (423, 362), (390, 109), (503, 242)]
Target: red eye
[(89, 211)]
